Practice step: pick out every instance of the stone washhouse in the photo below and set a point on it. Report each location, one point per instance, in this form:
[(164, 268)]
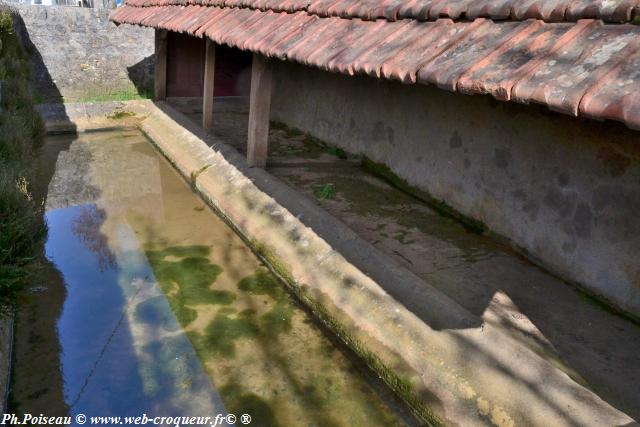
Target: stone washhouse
[(545, 153)]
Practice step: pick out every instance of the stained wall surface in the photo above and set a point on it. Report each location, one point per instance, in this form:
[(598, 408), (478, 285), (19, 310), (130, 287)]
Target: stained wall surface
[(564, 190), (80, 55)]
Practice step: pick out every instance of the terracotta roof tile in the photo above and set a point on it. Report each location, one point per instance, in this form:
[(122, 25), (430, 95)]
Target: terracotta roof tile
[(616, 11), (567, 73), (588, 67), (617, 96), (476, 49)]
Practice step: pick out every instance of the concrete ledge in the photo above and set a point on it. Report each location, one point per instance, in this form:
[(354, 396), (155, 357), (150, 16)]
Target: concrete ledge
[(450, 366), (87, 117)]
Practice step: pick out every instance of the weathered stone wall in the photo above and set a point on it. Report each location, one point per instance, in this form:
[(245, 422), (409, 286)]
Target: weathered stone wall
[(567, 191), (80, 55)]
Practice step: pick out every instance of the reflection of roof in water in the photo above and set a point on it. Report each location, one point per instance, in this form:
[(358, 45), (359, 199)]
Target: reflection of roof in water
[(579, 57)]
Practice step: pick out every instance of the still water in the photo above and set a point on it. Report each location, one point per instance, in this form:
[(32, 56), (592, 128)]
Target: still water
[(167, 312)]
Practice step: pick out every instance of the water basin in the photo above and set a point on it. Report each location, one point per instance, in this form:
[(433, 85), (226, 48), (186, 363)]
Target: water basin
[(166, 311)]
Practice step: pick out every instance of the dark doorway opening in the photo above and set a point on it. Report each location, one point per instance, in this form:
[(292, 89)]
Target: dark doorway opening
[(185, 68)]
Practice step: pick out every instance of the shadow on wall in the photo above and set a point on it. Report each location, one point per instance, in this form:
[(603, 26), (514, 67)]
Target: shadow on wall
[(45, 88), (47, 96), (141, 75)]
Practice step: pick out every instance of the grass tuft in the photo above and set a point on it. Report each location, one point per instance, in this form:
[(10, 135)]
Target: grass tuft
[(326, 191)]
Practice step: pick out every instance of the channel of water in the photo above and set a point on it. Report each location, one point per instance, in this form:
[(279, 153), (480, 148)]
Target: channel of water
[(165, 311)]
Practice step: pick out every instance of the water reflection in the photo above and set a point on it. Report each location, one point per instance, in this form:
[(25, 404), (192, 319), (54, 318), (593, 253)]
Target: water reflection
[(169, 313)]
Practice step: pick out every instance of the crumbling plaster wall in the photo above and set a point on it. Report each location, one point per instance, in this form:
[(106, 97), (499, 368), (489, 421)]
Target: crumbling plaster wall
[(80, 55), (566, 191)]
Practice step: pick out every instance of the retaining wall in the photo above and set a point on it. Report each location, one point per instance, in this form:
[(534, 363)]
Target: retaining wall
[(566, 191), (79, 55)]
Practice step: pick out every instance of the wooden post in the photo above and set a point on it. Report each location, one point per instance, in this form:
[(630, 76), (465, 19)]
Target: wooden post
[(260, 104), (160, 78), (209, 77)]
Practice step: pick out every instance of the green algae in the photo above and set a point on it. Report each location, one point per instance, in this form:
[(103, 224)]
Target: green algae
[(121, 114), (262, 283), (194, 175), (187, 281), (383, 171), (219, 337), (278, 319), (392, 376), (221, 334), (206, 347), (239, 401)]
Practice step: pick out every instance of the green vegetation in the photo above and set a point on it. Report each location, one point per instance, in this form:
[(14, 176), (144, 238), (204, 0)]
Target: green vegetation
[(338, 152), (185, 275), (327, 191), (112, 96), (221, 334), (227, 327), (121, 114), (22, 229), (383, 171), (262, 283), (392, 376)]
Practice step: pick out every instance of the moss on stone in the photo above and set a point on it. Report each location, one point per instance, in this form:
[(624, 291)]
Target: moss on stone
[(120, 114), (384, 172), (269, 257), (194, 175)]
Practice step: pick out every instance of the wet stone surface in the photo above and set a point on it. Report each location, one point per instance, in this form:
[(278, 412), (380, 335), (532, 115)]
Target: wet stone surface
[(159, 308)]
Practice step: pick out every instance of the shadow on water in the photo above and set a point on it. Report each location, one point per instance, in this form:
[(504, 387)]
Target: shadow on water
[(36, 349)]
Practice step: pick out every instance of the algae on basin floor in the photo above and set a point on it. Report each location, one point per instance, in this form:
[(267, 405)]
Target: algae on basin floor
[(183, 309)]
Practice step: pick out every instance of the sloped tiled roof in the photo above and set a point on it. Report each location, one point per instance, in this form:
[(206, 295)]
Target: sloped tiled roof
[(615, 11), (576, 56)]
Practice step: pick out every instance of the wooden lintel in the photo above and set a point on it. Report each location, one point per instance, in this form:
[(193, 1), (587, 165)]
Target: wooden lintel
[(209, 78), (160, 78), (259, 108)]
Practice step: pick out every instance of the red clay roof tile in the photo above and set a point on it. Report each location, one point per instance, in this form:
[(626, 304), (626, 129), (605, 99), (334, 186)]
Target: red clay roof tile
[(588, 67), (614, 11)]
